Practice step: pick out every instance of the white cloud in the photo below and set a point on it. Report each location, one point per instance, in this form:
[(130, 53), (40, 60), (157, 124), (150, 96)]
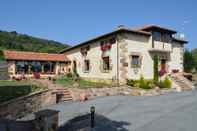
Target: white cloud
[(186, 21)]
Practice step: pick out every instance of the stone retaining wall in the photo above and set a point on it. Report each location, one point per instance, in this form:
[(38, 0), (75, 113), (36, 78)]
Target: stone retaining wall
[(19, 107), (3, 70)]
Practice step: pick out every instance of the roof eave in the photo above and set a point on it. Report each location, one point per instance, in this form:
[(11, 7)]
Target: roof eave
[(181, 41), (106, 35)]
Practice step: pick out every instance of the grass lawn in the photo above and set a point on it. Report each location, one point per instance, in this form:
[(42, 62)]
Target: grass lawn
[(13, 83), (10, 89), (69, 82)]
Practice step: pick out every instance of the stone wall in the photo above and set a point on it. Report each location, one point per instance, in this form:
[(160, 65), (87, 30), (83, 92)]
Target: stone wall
[(3, 70), (44, 120), (22, 106)]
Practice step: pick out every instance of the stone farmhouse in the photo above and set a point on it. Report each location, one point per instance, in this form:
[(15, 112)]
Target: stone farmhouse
[(127, 54), (115, 57)]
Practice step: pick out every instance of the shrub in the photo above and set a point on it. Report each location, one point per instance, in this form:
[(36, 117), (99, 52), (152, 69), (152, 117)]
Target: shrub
[(133, 83), (166, 83), (69, 75), (145, 84)]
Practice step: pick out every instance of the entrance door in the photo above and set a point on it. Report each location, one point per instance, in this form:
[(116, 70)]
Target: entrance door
[(163, 64)]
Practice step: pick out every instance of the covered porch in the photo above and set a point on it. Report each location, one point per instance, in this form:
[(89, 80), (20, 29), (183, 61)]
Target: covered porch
[(30, 63)]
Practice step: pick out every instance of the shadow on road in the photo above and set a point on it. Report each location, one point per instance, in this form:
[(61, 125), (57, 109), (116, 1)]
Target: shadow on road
[(101, 124)]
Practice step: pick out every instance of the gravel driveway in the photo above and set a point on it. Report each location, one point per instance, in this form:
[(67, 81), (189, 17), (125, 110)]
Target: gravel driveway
[(171, 112)]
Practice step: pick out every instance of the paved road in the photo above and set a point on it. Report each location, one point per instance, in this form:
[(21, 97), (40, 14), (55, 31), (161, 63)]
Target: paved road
[(171, 112)]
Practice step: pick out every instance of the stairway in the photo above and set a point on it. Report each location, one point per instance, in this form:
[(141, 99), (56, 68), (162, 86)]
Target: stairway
[(63, 95), (183, 83)]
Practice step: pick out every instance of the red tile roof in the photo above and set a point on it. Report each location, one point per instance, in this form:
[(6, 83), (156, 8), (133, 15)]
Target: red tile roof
[(21, 55)]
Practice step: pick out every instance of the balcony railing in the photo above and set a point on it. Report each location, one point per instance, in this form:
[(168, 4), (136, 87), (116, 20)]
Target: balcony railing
[(161, 46)]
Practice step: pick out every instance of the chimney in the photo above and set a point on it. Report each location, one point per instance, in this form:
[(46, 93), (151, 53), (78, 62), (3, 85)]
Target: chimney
[(120, 27)]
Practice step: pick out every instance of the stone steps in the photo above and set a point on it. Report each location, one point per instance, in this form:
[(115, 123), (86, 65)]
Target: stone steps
[(182, 82), (64, 93)]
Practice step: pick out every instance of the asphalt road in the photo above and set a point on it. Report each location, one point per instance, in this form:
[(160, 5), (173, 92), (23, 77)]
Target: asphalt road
[(171, 112)]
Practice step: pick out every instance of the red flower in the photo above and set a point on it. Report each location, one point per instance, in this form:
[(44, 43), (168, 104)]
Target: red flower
[(162, 72)]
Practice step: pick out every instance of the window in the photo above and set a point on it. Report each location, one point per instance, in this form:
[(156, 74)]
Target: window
[(106, 64), (135, 61), (112, 40), (86, 65), (157, 36), (164, 37)]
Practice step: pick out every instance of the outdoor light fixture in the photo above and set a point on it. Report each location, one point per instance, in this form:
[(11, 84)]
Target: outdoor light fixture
[(92, 113)]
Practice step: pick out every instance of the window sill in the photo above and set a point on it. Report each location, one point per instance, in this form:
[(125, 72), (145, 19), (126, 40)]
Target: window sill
[(86, 71), (105, 71), (135, 66)]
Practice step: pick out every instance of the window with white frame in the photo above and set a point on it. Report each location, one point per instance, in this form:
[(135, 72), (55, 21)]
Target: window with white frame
[(86, 65), (135, 61), (106, 64)]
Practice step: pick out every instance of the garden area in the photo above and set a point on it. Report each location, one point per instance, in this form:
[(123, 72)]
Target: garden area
[(71, 80), (150, 84), (11, 89)]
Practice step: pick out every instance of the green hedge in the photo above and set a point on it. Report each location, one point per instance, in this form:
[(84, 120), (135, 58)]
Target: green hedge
[(1, 55), (14, 91)]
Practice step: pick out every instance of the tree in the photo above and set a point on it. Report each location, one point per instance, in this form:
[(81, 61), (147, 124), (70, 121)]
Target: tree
[(15, 41), (194, 54), (156, 69), (189, 61)]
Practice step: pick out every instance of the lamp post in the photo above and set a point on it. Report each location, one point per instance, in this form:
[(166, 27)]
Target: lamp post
[(92, 113)]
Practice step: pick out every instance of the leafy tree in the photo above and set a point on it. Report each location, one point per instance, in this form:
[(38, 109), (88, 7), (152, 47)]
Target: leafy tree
[(156, 70), (194, 54), (189, 61)]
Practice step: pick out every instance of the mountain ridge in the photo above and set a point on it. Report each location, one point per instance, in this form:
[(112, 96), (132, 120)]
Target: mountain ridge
[(22, 42)]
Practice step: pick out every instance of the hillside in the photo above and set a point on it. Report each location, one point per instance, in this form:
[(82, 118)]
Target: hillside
[(23, 42)]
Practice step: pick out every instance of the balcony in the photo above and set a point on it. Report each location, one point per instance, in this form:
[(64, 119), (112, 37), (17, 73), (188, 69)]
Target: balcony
[(161, 47)]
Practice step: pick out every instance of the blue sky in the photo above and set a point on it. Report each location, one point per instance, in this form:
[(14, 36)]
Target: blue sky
[(75, 21)]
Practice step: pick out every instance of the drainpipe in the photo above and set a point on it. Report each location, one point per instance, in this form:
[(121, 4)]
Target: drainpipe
[(117, 61), (153, 44)]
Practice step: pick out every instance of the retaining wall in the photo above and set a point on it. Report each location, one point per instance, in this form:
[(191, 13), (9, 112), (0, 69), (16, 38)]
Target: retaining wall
[(19, 107)]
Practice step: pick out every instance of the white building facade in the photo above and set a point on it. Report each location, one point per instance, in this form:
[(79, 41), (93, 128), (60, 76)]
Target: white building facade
[(127, 54)]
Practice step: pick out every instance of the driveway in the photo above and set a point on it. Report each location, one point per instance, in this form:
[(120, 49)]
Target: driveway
[(171, 112)]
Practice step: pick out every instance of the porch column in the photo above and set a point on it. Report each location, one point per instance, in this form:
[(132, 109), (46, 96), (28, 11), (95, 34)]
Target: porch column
[(56, 68), (13, 66), (42, 68)]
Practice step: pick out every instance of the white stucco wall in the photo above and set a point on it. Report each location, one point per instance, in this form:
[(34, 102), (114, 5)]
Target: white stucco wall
[(94, 55)]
